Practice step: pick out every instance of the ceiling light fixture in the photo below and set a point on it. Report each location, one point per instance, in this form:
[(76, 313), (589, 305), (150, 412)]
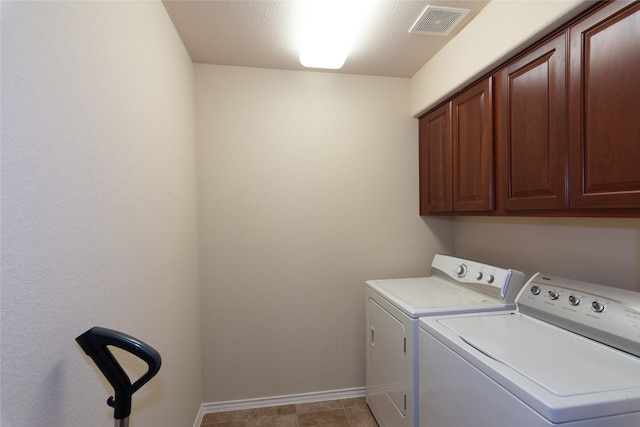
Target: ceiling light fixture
[(329, 29)]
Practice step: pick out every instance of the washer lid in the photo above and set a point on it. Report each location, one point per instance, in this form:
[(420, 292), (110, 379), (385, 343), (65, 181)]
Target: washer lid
[(432, 295), (560, 374)]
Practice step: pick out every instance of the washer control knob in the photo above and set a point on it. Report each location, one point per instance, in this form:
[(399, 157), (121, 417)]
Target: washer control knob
[(574, 300), (598, 307), (479, 275), (490, 278), (535, 290), (553, 295), (461, 270)]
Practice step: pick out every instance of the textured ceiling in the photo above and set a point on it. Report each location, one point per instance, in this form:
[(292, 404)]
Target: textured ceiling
[(264, 34)]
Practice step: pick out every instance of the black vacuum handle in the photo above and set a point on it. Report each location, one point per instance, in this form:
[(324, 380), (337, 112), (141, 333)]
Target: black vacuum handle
[(94, 342)]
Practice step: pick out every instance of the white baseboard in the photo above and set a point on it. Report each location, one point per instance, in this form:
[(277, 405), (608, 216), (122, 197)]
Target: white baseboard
[(262, 402)]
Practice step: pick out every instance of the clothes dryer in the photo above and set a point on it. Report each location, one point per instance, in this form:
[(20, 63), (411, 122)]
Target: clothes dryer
[(393, 307), (569, 356)]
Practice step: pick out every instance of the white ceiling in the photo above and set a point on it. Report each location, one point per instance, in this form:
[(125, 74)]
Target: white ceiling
[(263, 34)]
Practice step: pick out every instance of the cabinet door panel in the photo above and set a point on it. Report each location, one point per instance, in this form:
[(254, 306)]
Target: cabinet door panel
[(472, 137), (605, 108), (435, 161), (531, 131)]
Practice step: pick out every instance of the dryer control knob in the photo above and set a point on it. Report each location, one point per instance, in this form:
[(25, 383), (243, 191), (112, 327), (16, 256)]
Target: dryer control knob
[(490, 278), (535, 290), (574, 300), (479, 275), (598, 307), (461, 270), (553, 295)]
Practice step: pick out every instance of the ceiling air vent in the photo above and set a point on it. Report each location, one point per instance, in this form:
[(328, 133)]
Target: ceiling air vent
[(438, 20)]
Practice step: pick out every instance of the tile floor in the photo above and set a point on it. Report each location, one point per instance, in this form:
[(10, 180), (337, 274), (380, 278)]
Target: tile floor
[(352, 412)]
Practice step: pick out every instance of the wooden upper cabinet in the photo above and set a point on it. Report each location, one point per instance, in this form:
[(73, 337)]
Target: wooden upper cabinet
[(604, 106), (456, 154), (531, 129), (435, 161), (567, 128), (472, 143)]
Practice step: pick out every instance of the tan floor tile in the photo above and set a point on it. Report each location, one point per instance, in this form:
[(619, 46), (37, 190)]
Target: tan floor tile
[(290, 420), (331, 418), (361, 416), (272, 411), (318, 406), (218, 417), (352, 412), (236, 423), (354, 401)]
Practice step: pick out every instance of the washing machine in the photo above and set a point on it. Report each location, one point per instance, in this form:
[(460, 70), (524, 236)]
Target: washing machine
[(568, 355), (393, 308)]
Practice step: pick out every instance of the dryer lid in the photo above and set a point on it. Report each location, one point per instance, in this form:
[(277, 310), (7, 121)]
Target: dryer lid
[(426, 296)]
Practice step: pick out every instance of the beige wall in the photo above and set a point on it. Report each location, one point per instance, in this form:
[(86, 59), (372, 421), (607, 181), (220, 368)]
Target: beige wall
[(501, 29), (307, 187), (599, 250), (98, 209)]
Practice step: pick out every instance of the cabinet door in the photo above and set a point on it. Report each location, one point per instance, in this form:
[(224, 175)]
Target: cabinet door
[(604, 107), (472, 137), (531, 130), (435, 161)]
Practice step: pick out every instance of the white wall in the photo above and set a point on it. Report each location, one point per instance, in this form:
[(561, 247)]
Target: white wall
[(98, 209), (308, 186)]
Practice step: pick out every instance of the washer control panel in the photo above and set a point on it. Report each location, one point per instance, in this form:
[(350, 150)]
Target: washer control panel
[(605, 314), (495, 281), (573, 298)]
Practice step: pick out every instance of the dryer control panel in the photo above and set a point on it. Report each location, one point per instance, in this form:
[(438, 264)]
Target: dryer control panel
[(491, 280), (602, 313)]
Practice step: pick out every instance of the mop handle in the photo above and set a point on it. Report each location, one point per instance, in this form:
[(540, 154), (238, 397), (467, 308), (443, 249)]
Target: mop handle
[(94, 342)]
